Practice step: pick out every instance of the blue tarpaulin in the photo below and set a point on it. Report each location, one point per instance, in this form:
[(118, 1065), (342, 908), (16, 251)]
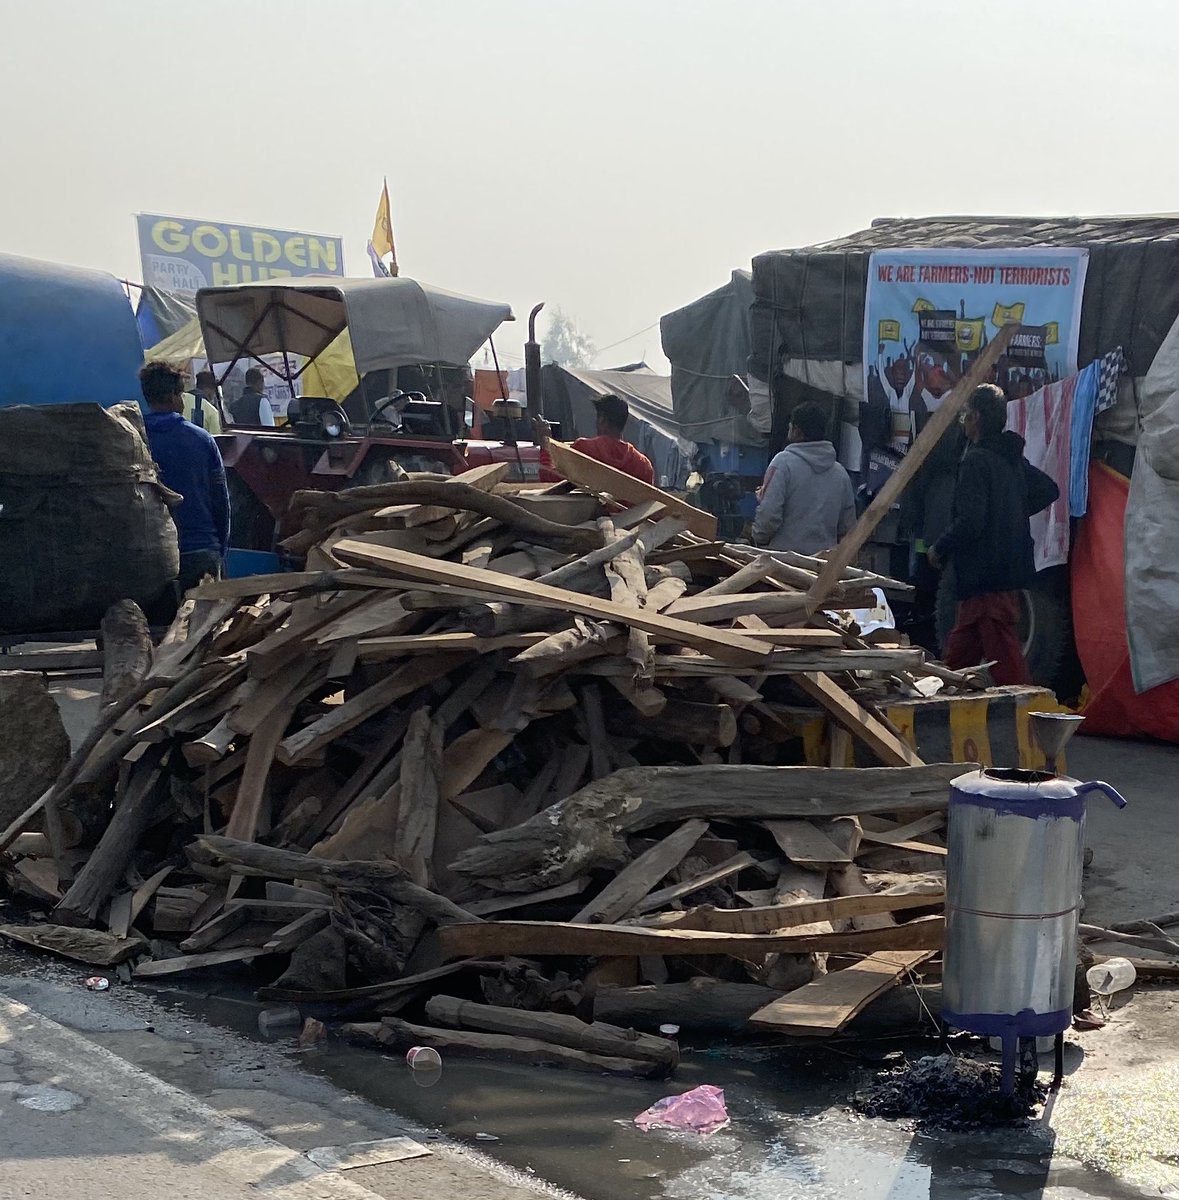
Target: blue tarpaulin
[(66, 335)]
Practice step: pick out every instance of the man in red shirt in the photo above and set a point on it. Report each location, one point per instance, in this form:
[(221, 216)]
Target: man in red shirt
[(608, 447)]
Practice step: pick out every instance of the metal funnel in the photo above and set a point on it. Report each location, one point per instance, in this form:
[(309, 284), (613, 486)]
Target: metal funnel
[(1052, 732)]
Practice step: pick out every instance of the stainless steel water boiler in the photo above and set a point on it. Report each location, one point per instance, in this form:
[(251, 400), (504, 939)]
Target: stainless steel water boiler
[(1013, 887)]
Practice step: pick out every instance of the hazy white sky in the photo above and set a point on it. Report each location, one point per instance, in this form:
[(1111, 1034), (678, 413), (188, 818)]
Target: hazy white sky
[(615, 157)]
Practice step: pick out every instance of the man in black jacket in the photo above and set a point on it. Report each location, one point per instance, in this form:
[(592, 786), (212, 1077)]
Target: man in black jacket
[(989, 539)]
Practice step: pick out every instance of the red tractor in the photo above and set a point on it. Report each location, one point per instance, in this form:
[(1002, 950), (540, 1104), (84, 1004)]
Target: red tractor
[(410, 344)]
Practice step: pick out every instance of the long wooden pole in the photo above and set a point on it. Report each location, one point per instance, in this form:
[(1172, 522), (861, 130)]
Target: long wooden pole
[(900, 479)]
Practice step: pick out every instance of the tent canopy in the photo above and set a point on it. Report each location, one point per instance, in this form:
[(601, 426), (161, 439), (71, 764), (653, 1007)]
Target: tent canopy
[(707, 343), (391, 322)]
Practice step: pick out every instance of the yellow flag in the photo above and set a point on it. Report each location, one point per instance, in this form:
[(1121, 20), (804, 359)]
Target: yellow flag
[(1052, 333), (382, 238), (890, 331), (968, 335), (1007, 314), (920, 305)]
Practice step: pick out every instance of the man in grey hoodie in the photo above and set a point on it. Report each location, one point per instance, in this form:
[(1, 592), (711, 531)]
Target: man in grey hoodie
[(807, 502)]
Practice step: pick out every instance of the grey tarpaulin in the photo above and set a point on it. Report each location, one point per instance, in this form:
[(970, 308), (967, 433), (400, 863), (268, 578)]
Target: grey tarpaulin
[(1152, 526), (392, 322), (707, 343), (810, 302), (653, 429)]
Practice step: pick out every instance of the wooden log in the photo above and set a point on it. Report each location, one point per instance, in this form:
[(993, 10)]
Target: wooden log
[(584, 831), (947, 413), (598, 477), (621, 895), (457, 1042), (526, 938), (825, 1005), (385, 878), (133, 815), (681, 721), (702, 1004), (126, 651), (455, 493), (554, 1028)]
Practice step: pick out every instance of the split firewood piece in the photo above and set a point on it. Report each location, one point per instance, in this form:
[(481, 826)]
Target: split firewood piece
[(848, 880), (308, 618), (469, 755), (598, 477), (374, 760), (415, 674), (681, 721), (715, 609), (709, 878), (728, 646), (92, 946), (527, 938), (554, 1028), (769, 918), (417, 814), (252, 790), (624, 892), (595, 732), (644, 698), (498, 904), (805, 845), (824, 1006), (559, 651)]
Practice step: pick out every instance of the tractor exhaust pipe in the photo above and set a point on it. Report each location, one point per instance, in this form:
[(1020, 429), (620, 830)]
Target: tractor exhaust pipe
[(532, 366)]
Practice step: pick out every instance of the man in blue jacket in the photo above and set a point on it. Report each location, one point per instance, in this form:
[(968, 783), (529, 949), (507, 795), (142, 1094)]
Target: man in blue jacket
[(190, 464)]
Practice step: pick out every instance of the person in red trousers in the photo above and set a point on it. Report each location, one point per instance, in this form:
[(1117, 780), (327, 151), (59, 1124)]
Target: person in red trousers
[(989, 540)]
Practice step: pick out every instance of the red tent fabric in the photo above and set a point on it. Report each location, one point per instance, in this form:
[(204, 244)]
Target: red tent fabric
[(1099, 622)]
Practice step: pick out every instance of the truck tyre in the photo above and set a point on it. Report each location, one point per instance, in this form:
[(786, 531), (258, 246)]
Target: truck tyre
[(1043, 628)]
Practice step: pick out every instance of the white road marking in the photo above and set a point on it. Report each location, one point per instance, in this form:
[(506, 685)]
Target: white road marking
[(230, 1147)]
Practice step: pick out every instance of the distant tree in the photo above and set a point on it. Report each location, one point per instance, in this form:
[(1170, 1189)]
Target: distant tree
[(565, 344)]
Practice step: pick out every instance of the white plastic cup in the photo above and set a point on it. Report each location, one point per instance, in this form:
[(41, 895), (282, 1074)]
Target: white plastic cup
[(423, 1058), (1112, 976)]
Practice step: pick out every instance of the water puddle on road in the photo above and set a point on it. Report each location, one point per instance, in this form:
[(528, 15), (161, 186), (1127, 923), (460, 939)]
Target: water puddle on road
[(791, 1134)]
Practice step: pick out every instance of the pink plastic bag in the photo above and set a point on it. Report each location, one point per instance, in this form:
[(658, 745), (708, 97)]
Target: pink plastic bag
[(702, 1110)]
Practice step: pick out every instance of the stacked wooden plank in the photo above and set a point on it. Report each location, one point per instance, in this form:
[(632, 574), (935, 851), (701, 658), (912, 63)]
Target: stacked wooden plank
[(482, 701)]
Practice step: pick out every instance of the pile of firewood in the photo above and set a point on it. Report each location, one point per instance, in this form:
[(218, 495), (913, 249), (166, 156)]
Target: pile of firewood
[(482, 701)]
